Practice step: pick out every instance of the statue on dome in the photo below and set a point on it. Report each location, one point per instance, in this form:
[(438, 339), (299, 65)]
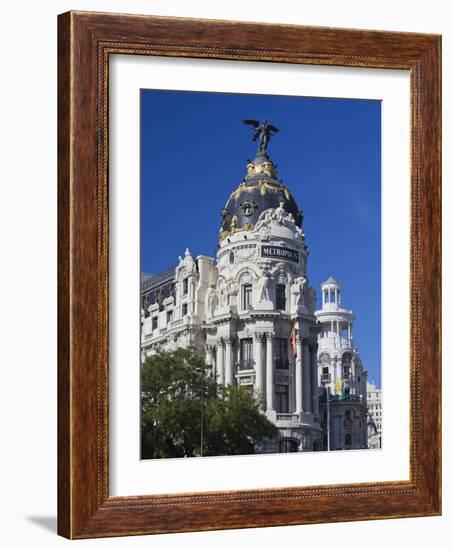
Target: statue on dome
[(280, 213), (263, 131)]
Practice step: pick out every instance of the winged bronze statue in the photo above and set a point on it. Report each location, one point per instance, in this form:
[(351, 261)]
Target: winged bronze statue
[(263, 131)]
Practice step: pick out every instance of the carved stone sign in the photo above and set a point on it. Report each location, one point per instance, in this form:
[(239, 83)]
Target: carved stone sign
[(280, 252)]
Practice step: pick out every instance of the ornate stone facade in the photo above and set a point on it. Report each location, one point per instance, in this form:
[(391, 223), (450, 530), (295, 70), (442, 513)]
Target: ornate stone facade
[(251, 312), (341, 373), (374, 402)]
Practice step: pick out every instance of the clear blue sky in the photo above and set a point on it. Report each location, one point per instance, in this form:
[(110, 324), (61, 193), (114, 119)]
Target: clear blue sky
[(194, 152)]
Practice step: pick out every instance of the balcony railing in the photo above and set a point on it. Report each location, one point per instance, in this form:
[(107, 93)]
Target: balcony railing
[(350, 398), (246, 364), (288, 417)]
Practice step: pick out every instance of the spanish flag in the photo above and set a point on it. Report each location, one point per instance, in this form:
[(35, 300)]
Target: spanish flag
[(292, 340)]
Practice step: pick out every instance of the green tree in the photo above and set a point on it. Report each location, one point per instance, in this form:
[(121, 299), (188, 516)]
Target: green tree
[(234, 423), (171, 390)]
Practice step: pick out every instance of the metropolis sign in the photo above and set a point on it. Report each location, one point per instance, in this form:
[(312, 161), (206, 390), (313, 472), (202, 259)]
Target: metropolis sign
[(280, 252)]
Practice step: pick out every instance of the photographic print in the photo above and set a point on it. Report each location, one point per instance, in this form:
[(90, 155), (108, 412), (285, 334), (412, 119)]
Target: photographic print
[(260, 274)]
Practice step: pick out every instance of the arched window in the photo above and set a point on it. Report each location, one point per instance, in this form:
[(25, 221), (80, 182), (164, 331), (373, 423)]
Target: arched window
[(346, 363)]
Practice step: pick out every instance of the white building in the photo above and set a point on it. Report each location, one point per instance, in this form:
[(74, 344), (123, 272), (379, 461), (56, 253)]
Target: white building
[(341, 373), (250, 310), (374, 399)]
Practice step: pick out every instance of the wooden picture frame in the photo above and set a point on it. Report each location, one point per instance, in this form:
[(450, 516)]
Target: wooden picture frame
[(85, 41)]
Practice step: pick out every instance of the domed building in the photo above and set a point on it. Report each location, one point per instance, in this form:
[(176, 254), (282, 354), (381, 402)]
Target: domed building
[(250, 310)]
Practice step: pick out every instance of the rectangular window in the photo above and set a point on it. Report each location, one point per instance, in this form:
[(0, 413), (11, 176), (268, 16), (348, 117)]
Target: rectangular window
[(280, 297), (246, 354), (173, 292), (281, 353), (184, 310), (154, 323), (169, 316), (247, 297), (282, 398), (185, 286)]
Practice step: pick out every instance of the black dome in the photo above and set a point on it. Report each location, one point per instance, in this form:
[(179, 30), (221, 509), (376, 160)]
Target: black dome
[(260, 190)]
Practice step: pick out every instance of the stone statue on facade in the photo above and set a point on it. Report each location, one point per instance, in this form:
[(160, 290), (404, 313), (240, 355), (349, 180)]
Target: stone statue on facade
[(211, 301), (280, 214), (276, 215), (297, 291), (263, 287), (222, 295), (188, 262), (232, 290), (264, 219)]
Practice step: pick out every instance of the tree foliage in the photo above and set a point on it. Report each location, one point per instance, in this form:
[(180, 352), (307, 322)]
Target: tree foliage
[(171, 391)]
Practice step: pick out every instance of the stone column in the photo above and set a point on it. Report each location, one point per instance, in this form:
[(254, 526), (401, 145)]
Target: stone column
[(337, 369), (229, 374), (258, 358), (299, 383), (270, 372), (306, 377), (219, 363), (314, 378), (208, 358)]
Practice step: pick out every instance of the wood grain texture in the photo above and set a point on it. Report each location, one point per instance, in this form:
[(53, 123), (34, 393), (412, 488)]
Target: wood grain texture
[(85, 42)]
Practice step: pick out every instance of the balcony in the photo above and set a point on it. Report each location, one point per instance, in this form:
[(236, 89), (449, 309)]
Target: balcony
[(288, 417), (351, 398), (246, 364)]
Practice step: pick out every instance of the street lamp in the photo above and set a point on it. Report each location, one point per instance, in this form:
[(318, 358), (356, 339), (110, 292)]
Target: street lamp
[(325, 381), (201, 370)]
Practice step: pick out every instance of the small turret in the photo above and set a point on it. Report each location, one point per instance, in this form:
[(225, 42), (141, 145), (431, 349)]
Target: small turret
[(331, 294)]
